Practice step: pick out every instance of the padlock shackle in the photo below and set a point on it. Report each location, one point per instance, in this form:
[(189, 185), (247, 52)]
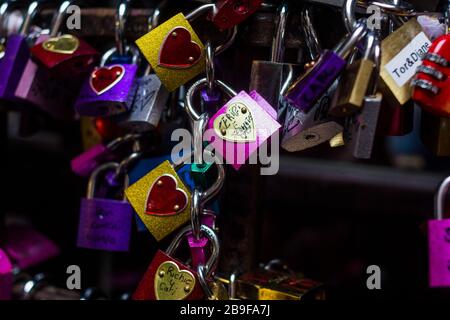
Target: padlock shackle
[(348, 14), (279, 38), (310, 34), (32, 9), (213, 239), (210, 69), (197, 86), (92, 183), (59, 16), (120, 23), (153, 20), (197, 12), (4, 6), (196, 209), (439, 202), (108, 54), (349, 42)]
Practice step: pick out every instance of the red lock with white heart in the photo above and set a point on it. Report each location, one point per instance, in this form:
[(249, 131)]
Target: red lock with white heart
[(169, 279), (432, 83)]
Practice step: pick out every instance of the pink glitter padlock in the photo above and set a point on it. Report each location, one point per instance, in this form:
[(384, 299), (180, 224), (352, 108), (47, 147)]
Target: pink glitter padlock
[(6, 276), (439, 242), (241, 126), (198, 247)]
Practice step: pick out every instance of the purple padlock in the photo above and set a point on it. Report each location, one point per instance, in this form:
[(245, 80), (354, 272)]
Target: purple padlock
[(27, 247), (241, 126), (105, 224), (110, 89), (37, 87), (198, 246), (16, 56), (439, 242), (6, 276), (307, 89)]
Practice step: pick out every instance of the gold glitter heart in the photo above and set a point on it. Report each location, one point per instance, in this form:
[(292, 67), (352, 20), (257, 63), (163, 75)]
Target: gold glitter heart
[(66, 44)]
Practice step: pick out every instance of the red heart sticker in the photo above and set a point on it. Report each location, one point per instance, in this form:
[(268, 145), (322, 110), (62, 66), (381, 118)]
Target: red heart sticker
[(164, 198), (178, 51), (104, 78)]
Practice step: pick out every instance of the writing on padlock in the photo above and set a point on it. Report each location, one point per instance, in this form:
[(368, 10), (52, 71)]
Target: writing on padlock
[(64, 55), (174, 50), (110, 89), (169, 279), (439, 241), (105, 224)]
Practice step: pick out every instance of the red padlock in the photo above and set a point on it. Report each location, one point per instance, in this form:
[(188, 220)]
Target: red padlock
[(65, 55), (432, 83), (230, 13), (168, 279)]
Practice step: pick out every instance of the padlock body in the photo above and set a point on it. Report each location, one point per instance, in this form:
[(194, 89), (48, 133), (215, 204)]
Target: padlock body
[(307, 90), (268, 79), (108, 91), (170, 284), (435, 133), (147, 106), (6, 276), (353, 88), (85, 163), (439, 253), (71, 60), (27, 247), (438, 104), (241, 126), (232, 12), (12, 66), (305, 130), (105, 224), (395, 120)]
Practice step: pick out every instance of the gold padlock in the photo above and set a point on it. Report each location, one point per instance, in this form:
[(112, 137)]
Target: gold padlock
[(174, 51)]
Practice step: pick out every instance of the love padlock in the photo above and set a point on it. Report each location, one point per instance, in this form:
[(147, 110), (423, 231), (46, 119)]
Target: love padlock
[(110, 89), (230, 13), (169, 279), (432, 83), (439, 241), (6, 276), (241, 126), (64, 55), (105, 224), (15, 57), (174, 50)]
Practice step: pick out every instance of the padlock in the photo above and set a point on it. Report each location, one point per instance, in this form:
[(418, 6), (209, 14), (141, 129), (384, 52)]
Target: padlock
[(229, 13), (16, 56), (89, 134), (6, 276), (432, 82), (65, 56), (439, 241), (355, 81), (402, 53), (110, 89), (198, 247), (147, 106), (105, 224), (169, 279), (265, 283), (306, 130), (27, 248), (271, 78), (307, 89), (241, 126), (174, 50), (435, 133)]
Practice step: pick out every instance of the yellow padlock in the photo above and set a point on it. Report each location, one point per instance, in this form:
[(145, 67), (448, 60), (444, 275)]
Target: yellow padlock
[(161, 200), (174, 50)]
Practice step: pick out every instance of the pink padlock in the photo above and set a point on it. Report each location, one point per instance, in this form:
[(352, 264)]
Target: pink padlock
[(199, 246), (439, 242), (241, 126), (6, 276)]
